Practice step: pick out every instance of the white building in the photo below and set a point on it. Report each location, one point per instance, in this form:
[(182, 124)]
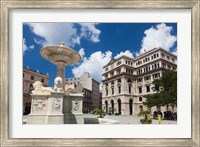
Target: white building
[(87, 82), (127, 80)]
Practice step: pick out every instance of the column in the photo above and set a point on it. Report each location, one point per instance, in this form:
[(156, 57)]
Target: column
[(60, 72)]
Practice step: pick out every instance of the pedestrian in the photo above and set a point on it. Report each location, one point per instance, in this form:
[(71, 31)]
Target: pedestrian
[(159, 119)]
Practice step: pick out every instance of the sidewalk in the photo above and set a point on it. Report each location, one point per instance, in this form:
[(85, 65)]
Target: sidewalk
[(134, 119)]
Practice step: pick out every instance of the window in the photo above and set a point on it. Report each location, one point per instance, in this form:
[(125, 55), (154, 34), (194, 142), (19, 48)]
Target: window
[(139, 80), (106, 76), (140, 99), (42, 80), (129, 88), (140, 89), (146, 68), (112, 90), (168, 58), (156, 75), (174, 68), (157, 55), (119, 89), (118, 71), (119, 62), (147, 78), (119, 81), (23, 75), (148, 88), (111, 74), (32, 77), (106, 92)]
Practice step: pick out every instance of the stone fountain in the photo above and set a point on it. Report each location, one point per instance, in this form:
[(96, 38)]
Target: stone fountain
[(61, 56), (54, 105)]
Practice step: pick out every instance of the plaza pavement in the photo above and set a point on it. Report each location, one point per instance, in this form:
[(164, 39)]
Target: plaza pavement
[(130, 119)]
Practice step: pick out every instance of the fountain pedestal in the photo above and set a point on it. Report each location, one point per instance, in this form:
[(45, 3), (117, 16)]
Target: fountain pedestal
[(56, 106), (72, 108), (46, 108)]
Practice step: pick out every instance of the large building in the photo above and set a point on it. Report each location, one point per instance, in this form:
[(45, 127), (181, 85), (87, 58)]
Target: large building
[(127, 80), (29, 77), (90, 89)]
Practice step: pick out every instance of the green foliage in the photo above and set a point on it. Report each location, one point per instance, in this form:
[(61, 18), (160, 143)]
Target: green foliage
[(146, 115), (99, 112), (166, 90)]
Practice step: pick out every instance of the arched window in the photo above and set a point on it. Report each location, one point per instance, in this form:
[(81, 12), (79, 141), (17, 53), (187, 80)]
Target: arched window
[(140, 99), (129, 85)]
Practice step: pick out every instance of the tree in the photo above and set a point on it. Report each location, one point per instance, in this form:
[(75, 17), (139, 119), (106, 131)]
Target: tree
[(146, 118), (99, 112), (165, 90)]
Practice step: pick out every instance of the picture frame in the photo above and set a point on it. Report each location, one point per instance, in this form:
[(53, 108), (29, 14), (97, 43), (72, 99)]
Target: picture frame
[(90, 4)]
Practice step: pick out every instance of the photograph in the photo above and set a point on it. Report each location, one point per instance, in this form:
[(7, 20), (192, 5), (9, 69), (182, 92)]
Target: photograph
[(99, 73)]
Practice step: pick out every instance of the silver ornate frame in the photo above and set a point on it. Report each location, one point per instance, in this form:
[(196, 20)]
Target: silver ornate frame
[(6, 5)]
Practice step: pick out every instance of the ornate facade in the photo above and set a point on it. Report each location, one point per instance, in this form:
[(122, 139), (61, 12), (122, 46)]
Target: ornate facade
[(127, 80)]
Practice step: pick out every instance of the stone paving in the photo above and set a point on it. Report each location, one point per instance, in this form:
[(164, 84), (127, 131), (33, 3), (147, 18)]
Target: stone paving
[(131, 119)]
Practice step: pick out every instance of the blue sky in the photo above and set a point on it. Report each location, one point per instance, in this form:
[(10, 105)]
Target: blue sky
[(97, 43)]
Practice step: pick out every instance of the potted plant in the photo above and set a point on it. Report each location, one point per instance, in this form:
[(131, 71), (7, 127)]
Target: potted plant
[(99, 112), (146, 119)]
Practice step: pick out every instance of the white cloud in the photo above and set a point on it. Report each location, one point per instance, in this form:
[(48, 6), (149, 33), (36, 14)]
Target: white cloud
[(90, 32), (160, 36), (25, 47), (126, 53), (31, 46), (175, 52), (82, 52), (94, 65), (54, 33)]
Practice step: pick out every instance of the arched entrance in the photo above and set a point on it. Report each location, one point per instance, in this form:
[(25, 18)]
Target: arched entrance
[(119, 106), (112, 106), (131, 106), (106, 103)]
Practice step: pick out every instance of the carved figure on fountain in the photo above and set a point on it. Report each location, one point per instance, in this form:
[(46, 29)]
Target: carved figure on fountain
[(40, 90), (58, 84)]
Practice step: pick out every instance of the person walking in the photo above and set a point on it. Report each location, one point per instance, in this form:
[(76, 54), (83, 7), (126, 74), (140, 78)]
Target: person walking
[(159, 118)]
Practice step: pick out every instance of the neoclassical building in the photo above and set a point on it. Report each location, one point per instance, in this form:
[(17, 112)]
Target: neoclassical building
[(126, 80)]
